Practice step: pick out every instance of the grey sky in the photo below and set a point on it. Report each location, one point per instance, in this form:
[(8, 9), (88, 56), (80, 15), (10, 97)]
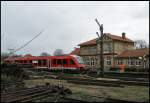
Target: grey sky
[(68, 23)]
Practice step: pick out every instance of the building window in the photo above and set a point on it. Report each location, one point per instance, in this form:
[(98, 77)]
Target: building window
[(92, 62), (108, 61), (138, 62), (131, 62), (107, 47), (87, 62), (92, 49), (120, 61)]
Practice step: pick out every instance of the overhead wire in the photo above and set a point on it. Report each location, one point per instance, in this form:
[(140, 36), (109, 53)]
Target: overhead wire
[(28, 41)]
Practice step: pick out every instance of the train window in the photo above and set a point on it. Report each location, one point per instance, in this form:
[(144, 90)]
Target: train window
[(44, 62), (59, 62), (72, 62), (35, 61), (54, 61), (64, 61), (30, 61), (39, 62), (79, 59)]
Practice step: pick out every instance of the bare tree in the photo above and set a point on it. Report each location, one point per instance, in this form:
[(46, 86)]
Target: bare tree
[(44, 54), (58, 52), (27, 55), (4, 55), (138, 44)]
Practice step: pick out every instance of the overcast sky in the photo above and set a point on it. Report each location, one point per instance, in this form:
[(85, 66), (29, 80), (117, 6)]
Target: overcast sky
[(68, 23)]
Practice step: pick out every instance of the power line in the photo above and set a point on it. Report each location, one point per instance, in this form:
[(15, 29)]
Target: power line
[(24, 44), (28, 41)]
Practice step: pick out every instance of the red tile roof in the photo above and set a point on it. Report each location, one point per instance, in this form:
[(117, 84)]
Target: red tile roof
[(76, 51), (114, 37), (134, 53), (90, 42)]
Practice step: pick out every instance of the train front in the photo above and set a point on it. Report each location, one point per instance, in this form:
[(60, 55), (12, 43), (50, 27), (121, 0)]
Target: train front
[(79, 61)]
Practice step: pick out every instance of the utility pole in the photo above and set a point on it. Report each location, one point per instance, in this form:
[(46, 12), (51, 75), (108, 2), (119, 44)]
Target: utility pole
[(100, 41)]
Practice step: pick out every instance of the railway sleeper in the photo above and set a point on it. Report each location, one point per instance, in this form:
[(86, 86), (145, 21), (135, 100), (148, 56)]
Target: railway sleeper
[(96, 83), (11, 97), (19, 91), (21, 98), (120, 82)]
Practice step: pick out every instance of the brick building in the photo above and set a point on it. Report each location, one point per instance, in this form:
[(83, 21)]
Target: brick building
[(138, 58), (113, 47)]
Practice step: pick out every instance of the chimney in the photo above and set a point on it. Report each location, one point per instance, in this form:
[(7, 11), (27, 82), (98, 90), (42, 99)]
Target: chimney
[(123, 35)]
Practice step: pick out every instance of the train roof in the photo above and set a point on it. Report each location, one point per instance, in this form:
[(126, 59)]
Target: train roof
[(40, 57)]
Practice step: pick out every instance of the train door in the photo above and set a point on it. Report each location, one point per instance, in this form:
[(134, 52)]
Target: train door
[(65, 63), (35, 63), (49, 63), (72, 63), (59, 64), (53, 63)]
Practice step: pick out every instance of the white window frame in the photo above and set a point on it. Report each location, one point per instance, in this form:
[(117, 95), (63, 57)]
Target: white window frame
[(92, 62), (119, 61), (138, 62), (108, 60), (35, 61), (131, 62)]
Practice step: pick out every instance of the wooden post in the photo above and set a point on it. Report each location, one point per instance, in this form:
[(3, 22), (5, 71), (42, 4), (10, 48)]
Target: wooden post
[(101, 48)]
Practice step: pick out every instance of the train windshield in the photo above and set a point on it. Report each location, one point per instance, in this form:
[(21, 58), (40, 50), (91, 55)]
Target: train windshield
[(80, 60)]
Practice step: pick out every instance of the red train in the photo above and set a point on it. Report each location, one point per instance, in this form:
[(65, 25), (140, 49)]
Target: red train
[(67, 62)]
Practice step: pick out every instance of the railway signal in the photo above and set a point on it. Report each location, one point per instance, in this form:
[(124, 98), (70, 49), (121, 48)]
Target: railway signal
[(100, 37)]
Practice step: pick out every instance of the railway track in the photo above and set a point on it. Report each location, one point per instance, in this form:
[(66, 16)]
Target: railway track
[(11, 86), (101, 99), (31, 94), (19, 95), (94, 81), (21, 91), (103, 82), (110, 84), (85, 79), (129, 78), (125, 74)]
